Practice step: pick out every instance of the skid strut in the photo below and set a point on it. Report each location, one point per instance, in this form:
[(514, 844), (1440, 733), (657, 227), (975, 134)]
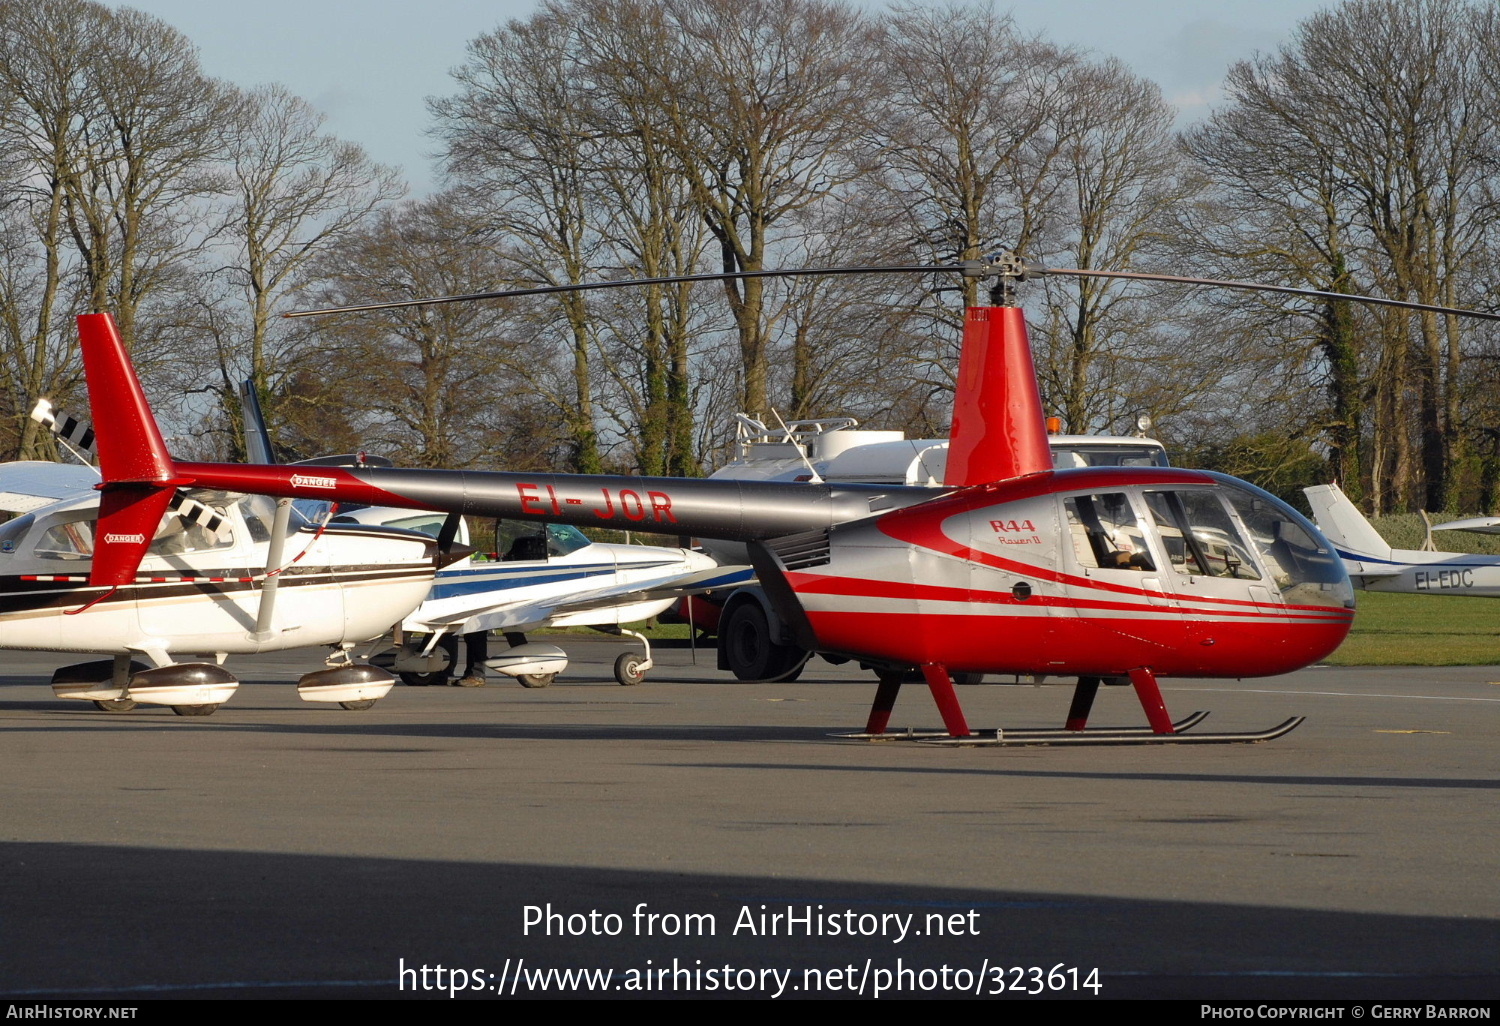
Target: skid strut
[(938, 682)]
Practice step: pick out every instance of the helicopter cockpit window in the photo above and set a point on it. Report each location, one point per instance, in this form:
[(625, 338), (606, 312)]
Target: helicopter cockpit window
[(1303, 565), (1199, 535), (72, 540), (1106, 533)]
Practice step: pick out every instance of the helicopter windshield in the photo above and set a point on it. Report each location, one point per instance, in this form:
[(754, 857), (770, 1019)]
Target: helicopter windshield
[(1299, 559)]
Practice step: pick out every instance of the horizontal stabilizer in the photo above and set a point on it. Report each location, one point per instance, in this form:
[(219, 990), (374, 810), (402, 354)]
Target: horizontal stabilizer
[(1371, 573), (533, 610), (1475, 525)]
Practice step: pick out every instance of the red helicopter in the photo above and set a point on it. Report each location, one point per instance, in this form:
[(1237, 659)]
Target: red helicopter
[(1109, 574)]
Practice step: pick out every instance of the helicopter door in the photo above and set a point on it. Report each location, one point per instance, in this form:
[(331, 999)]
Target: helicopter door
[(1116, 577), (1214, 572)]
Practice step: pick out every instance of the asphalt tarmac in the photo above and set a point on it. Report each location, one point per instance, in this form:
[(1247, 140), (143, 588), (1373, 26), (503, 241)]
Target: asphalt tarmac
[(281, 849)]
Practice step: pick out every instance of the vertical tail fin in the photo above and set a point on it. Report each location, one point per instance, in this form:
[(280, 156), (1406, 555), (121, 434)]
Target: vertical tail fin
[(257, 438), (1343, 524), (139, 477), (998, 429)]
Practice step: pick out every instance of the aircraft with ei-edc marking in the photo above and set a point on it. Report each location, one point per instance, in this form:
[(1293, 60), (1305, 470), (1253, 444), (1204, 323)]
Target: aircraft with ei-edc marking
[(1375, 566), (1010, 567)]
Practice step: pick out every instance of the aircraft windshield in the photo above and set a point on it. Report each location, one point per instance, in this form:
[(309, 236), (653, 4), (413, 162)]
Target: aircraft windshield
[(73, 539), (1067, 455), (563, 539), (427, 523)]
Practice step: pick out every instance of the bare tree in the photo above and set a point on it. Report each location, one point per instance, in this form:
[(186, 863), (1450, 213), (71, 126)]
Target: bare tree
[(1377, 124), (150, 134), (435, 386), (293, 193), (1118, 179), (764, 100), (46, 97), (516, 137)]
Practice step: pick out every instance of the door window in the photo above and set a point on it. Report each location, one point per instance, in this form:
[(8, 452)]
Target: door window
[(1106, 533)]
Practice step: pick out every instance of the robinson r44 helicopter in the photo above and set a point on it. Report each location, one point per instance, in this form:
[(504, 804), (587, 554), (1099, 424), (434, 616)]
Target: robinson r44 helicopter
[(1125, 573)]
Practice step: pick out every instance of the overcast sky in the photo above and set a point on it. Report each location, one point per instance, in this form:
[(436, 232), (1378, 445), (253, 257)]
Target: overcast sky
[(371, 65)]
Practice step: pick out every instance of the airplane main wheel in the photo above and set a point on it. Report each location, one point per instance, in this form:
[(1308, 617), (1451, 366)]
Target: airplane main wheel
[(448, 644), (628, 669), (753, 654), (363, 703), (535, 680), (114, 705), (195, 710)]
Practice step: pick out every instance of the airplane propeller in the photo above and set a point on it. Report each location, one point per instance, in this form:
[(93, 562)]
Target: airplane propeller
[(78, 435)]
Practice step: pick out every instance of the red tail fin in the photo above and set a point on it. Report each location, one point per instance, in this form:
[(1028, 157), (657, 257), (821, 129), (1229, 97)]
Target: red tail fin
[(998, 429), (139, 478)]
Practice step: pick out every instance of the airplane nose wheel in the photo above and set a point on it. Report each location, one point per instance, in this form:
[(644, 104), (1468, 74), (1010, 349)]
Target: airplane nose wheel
[(195, 710), (629, 669), (115, 705)]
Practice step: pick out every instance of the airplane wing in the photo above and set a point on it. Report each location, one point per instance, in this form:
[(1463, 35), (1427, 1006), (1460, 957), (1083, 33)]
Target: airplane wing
[(1476, 525), (491, 615), (687, 584), (31, 484)]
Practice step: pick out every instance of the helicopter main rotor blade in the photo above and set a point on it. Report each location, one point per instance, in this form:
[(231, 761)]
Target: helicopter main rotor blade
[(1251, 286), (1005, 265), (544, 290)]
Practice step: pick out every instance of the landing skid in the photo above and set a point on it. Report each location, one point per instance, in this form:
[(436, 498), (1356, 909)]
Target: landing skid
[(1186, 723), (1162, 731), (1127, 736)]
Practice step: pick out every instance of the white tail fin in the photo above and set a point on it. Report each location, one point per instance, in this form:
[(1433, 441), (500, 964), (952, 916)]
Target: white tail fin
[(1343, 524)]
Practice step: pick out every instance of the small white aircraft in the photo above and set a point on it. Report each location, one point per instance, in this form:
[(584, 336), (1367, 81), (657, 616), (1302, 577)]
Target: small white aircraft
[(220, 574), (539, 576), (1375, 566)]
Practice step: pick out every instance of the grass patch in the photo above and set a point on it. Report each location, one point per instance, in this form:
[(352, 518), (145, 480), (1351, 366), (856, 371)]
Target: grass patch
[(1421, 630)]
